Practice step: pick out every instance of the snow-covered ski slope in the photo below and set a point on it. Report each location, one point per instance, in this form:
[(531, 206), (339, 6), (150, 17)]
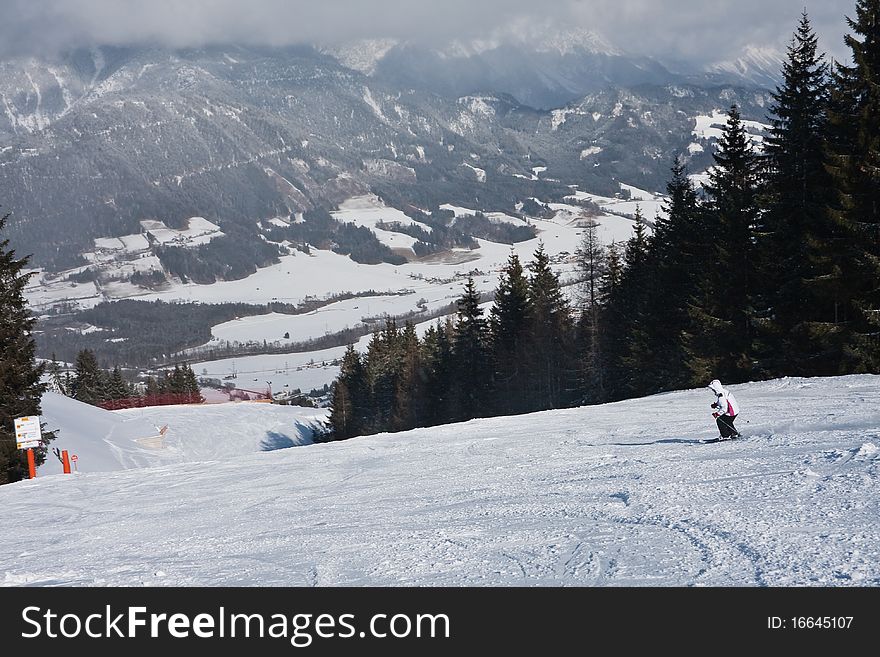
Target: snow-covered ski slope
[(106, 441), (613, 495)]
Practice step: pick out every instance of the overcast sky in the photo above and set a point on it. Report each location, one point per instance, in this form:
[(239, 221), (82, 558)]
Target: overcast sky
[(706, 30)]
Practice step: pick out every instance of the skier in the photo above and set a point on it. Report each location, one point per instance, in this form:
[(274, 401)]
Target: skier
[(725, 410)]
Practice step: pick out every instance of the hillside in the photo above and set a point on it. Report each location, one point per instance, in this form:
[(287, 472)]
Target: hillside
[(107, 441), (613, 495)]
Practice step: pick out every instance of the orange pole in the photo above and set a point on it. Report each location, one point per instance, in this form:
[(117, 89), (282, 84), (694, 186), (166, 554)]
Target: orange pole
[(65, 461), (32, 468)]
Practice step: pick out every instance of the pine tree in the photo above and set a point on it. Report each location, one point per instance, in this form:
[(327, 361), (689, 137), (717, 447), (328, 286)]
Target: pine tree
[(21, 388), (471, 356), (552, 367), (509, 323), (409, 383), (57, 379), (118, 388), (191, 386), (350, 401), (801, 282), (625, 324), (439, 363), (613, 272), (680, 254), (591, 263), (89, 385), (854, 143), (382, 365), (724, 310), (152, 388)]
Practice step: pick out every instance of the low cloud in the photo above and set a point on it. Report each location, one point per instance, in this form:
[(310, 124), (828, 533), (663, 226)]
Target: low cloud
[(704, 30)]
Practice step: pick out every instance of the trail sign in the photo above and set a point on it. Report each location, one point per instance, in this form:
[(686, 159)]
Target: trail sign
[(27, 432)]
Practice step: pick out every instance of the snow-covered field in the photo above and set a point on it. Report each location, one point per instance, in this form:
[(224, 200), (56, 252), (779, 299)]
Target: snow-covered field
[(421, 285), (613, 495), (712, 127)]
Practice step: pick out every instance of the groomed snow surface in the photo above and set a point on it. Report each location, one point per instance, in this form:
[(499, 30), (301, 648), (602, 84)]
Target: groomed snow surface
[(612, 495)]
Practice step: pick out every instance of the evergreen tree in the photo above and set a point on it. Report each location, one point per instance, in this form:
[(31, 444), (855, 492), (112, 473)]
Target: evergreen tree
[(409, 392), (471, 356), (801, 281), (382, 364), (625, 324), (553, 372), (89, 386), (680, 257), (118, 388), (854, 143), (613, 273), (349, 407), (58, 380), (509, 323), (21, 388), (152, 388), (724, 310), (591, 261), (439, 362), (191, 386)]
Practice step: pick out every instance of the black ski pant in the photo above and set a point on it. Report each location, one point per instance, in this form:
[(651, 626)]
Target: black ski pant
[(725, 425)]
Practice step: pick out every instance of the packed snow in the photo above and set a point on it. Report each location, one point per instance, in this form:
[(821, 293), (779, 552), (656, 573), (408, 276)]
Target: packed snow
[(622, 494), (106, 441)]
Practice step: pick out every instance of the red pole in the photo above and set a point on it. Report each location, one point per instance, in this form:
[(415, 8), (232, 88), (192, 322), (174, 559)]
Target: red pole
[(65, 461), (32, 468)]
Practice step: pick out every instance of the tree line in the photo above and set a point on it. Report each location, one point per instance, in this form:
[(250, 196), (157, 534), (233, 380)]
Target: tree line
[(513, 360), (91, 384), (772, 269)]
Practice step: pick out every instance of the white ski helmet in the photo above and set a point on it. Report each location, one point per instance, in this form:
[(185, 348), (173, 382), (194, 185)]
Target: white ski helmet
[(715, 386)]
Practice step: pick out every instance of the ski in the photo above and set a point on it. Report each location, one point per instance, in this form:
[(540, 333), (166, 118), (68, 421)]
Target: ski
[(721, 440)]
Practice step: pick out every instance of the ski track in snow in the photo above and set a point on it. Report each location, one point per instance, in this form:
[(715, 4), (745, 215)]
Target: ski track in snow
[(591, 496)]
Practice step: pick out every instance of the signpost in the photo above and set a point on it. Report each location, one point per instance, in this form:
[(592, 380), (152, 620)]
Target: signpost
[(27, 436), (74, 458)]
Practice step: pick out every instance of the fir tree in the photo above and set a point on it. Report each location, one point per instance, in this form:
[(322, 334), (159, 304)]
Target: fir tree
[(58, 380), (191, 386), (509, 323), (680, 255), (472, 369), (89, 386), (382, 363), (613, 273), (854, 143), (350, 397), (553, 372), (152, 388), (439, 363), (725, 311), (409, 382), (625, 324), (592, 263), (118, 388), (801, 282), (21, 388)]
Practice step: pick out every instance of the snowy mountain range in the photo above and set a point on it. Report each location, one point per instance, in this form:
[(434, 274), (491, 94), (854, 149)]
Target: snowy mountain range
[(98, 141), (541, 65)]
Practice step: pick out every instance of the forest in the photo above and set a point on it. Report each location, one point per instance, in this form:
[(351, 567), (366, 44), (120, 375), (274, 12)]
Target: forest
[(771, 270)]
